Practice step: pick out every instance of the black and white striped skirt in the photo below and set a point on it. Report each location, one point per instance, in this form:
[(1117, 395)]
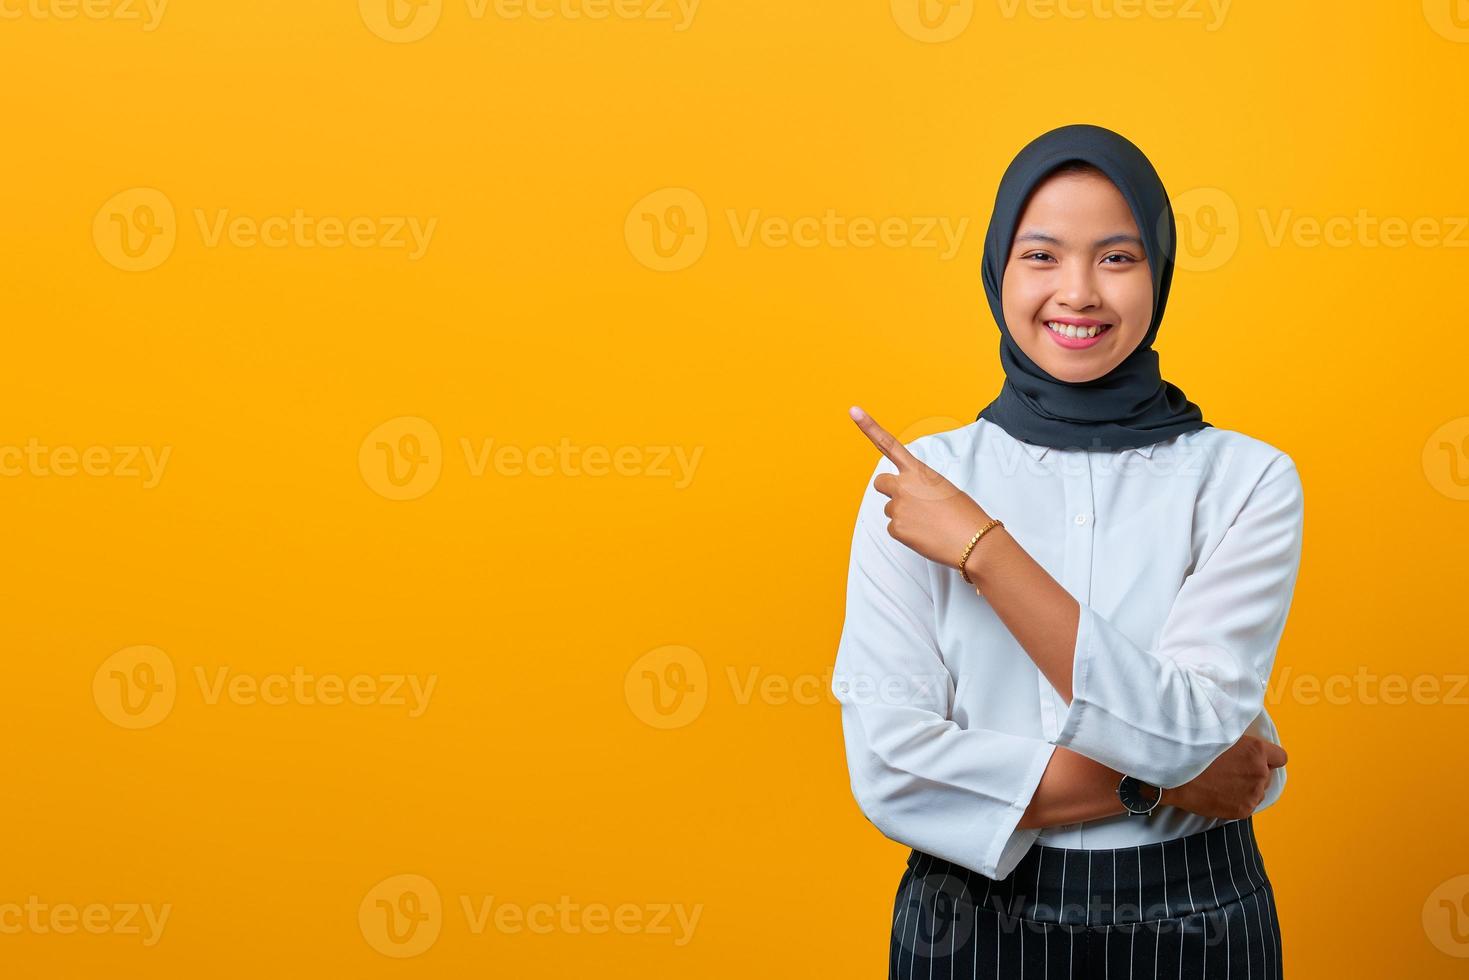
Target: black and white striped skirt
[(1196, 906)]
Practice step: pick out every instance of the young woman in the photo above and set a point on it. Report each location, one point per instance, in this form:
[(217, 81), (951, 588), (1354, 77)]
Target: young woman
[(1062, 618)]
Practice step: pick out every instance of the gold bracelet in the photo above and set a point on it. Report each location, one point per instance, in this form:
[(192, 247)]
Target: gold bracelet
[(972, 542)]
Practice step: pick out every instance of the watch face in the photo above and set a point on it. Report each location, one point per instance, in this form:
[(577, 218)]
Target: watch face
[(1138, 796)]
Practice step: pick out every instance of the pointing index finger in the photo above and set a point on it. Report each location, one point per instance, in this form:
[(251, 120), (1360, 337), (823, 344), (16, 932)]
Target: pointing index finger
[(886, 443)]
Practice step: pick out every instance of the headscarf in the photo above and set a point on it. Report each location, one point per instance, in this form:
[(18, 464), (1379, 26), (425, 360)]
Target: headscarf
[(1131, 405)]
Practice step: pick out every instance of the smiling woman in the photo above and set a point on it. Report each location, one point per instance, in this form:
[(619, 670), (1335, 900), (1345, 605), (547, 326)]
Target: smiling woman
[(1062, 620), (1089, 291), (1083, 236)]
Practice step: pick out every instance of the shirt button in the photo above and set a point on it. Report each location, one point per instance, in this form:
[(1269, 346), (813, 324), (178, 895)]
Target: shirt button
[(1081, 518)]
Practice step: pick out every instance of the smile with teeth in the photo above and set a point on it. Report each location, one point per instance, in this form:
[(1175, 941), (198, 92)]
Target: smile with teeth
[(1075, 332)]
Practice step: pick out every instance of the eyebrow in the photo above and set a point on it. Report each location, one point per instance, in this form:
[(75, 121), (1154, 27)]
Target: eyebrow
[(1041, 236)]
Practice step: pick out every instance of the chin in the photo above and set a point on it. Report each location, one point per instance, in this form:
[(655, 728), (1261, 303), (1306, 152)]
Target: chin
[(1073, 373)]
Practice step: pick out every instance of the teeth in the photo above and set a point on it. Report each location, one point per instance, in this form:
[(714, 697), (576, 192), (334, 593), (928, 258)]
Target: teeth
[(1070, 330)]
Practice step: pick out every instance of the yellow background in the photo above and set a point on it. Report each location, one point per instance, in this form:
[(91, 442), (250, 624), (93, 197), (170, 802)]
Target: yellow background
[(540, 771)]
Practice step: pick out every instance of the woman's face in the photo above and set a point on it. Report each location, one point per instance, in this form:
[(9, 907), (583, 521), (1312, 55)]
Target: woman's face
[(1077, 260)]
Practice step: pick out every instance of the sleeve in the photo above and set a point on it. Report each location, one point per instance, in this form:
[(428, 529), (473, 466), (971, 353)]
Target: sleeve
[(1165, 713), (920, 778)]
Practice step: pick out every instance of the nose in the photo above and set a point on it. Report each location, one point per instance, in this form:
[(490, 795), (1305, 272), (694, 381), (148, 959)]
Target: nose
[(1078, 287)]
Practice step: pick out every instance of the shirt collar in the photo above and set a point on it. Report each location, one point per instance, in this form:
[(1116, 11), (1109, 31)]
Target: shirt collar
[(1036, 452)]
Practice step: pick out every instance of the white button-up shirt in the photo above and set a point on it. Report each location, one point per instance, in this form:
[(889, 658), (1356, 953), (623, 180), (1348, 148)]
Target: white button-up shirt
[(1183, 556)]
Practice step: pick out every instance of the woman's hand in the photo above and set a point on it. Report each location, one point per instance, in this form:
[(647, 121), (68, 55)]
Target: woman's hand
[(927, 512), (1233, 785)]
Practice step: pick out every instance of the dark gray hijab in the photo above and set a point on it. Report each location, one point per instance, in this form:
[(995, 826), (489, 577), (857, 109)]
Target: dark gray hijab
[(1131, 405)]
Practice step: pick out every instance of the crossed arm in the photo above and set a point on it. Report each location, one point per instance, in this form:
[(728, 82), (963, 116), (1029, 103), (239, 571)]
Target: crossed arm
[(1165, 714), (1042, 616)]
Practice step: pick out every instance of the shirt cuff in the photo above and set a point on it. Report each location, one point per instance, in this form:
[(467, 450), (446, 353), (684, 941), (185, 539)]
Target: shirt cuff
[(1138, 713), (1081, 665), (1010, 843)]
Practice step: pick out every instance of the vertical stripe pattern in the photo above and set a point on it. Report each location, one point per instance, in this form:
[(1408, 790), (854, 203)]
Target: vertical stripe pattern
[(1199, 906)]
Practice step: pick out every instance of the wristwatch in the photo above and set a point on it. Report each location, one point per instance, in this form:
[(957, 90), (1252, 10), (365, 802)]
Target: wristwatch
[(1138, 797)]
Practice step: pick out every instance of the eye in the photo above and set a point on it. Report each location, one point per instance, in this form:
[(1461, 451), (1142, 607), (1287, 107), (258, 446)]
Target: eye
[(1126, 259), (1036, 255)]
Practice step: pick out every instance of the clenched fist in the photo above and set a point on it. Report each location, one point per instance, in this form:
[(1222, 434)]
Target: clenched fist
[(1234, 784)]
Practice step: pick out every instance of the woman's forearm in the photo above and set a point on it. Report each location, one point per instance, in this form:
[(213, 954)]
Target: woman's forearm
[(1073, 789)]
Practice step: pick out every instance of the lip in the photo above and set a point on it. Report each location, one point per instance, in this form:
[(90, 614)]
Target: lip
[(1074, 343)]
